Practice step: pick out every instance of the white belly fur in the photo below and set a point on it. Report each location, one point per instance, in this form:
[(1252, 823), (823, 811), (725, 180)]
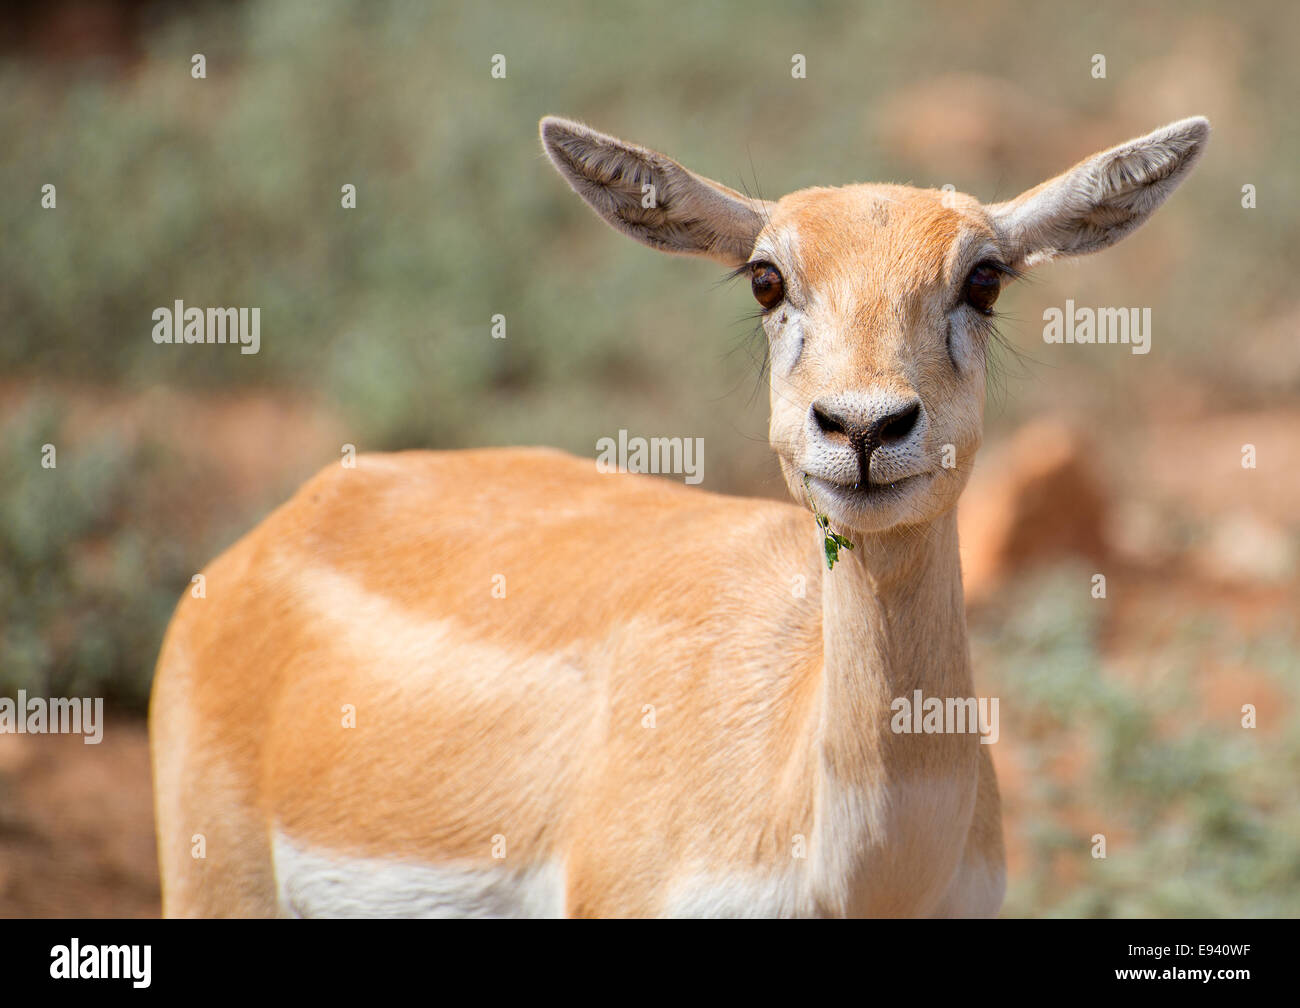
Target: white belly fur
[(322, 884)]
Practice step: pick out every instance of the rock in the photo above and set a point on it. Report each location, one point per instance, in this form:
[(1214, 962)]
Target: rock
[(1244, 549), (1036, 499)]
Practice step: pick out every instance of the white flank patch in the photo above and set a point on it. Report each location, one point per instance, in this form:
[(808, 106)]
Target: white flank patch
[(717, 895), (318, 884)]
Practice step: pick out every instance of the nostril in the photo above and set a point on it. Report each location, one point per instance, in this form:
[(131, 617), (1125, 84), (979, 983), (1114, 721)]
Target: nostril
[(896, 427), (827, 422)]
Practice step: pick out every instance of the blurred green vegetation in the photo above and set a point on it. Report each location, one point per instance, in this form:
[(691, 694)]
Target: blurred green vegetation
[(85, 586), (1199, 813), (226, 191)]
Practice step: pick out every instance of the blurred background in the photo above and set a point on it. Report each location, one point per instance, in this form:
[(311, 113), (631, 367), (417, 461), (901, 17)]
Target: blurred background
[(1120, 716)]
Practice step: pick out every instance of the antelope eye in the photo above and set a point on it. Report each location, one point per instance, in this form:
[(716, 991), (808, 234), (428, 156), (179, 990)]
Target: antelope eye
[(982, 287), (768, 287)]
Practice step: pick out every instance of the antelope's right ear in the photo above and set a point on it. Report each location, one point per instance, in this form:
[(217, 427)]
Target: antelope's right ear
[(653, 198)]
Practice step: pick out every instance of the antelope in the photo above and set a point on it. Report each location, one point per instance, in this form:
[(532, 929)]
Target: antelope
[(675, 705)]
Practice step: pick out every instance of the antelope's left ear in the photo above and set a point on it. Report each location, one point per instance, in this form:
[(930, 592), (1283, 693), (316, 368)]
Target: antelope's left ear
[(1101, 199)]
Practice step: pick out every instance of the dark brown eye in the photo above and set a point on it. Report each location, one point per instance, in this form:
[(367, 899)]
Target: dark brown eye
[(982, 287), (769, 288)]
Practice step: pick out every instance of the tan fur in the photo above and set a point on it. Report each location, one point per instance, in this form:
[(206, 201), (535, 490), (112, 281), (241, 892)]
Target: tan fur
[(769, 679)]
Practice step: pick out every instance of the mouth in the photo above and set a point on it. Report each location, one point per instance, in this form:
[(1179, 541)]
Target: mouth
[(858, 496)]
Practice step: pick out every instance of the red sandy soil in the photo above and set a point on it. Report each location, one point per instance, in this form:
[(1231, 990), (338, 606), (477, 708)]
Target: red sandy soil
[(76, 825)]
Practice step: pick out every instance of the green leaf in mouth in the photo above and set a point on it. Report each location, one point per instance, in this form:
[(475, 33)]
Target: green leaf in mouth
[(832, 542)]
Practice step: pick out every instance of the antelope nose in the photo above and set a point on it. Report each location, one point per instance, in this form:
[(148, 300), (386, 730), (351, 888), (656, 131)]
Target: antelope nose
[(866, 427)]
